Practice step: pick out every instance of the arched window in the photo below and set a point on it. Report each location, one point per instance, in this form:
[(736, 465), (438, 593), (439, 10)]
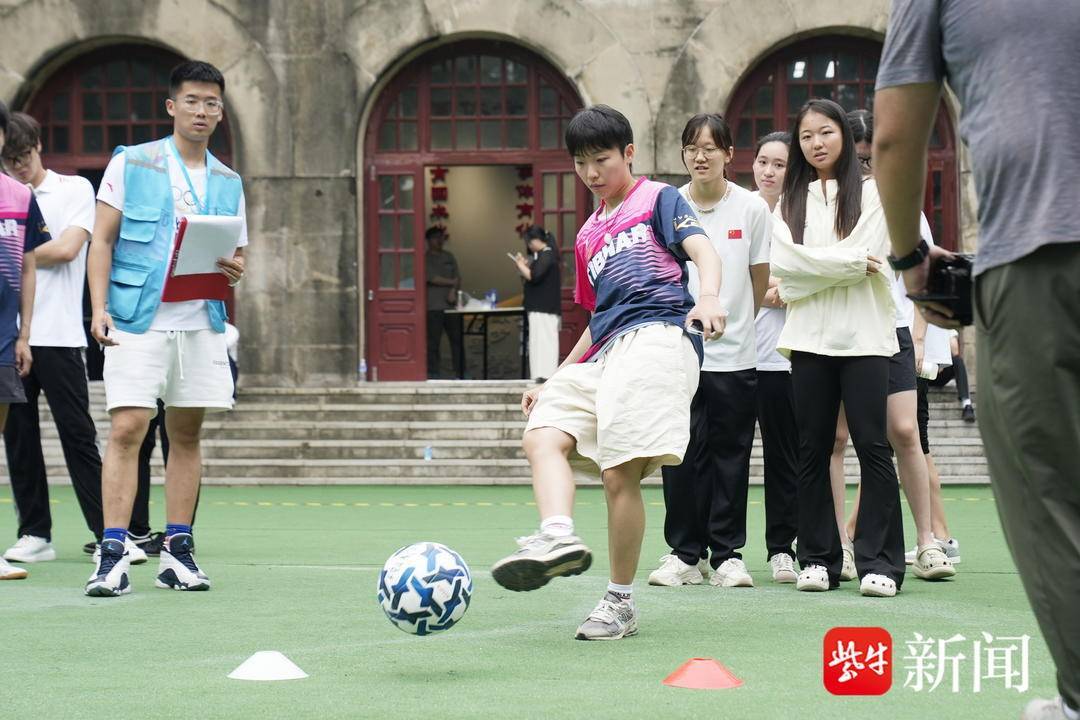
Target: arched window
[(842, 69)]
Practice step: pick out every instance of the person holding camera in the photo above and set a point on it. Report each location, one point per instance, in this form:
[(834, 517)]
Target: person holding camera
[(1027, 273), (543, 300)]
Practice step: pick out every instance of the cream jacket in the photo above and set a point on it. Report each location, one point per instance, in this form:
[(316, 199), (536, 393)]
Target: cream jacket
[(834, 308)]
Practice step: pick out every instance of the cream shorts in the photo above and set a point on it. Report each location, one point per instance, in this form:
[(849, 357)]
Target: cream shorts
[(633, 402), (185, 368)]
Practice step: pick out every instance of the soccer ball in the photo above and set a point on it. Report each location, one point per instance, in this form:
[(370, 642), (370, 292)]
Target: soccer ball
[(425, 588)]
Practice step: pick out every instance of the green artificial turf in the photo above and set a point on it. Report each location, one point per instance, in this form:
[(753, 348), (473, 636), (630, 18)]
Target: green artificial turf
[(294, 570)]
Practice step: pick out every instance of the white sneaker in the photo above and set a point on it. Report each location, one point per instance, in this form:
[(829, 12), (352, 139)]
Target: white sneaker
[(931, 564), (950, 547), (612, 619), (30, 549), (136, 555), (110, 576), (848, 571), (673, 572), (783, 568), (1044, 710), (704, 568), (176, 566), (876, 585), (10, 572), (813, 578), (731, 573)]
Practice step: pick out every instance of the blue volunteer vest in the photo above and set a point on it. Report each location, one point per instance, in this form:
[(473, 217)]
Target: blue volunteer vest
[(141, 255)]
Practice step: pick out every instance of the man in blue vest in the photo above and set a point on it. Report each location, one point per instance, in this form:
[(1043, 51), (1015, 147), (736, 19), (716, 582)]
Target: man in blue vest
[(153, 349)]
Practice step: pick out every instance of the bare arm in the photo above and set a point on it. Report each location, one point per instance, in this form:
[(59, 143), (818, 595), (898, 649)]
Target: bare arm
[(62, 249), (23, 359), (98, 266), (759, 280), (708, 312)]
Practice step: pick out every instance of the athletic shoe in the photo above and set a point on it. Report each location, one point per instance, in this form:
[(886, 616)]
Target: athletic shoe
[(876, 585), (90, 548), (10, 572), (731, 573), (783, 568), (704, 568), (110, 576), (848, 571), (931, 564), (135, 554), (673, 572), (153, 544), (968, 413), (30, 549), (539, 558), (1044, 710), (813, 578), (612, 619), (950, 547), (176, 566)]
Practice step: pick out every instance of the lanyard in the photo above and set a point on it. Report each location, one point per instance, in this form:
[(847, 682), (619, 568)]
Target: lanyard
[(183, 168)]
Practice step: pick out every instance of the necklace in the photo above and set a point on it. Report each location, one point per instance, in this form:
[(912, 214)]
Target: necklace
[(718, 203), (610, 218)]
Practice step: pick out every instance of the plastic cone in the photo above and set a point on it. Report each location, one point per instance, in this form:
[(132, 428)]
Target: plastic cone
[(267, 665), (702, 674)]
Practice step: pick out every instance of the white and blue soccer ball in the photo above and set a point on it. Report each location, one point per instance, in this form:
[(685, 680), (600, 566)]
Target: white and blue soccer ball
[(425, 588)]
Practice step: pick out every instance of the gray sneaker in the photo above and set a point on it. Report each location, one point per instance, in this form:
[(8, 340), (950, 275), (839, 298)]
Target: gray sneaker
[(540, 558), (612, 619), (1045, 710)]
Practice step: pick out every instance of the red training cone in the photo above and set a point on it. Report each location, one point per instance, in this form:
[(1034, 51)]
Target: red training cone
[(702, 674)]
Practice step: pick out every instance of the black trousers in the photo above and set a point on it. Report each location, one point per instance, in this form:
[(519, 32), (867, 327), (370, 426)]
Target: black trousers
[(780, 446), (820, 383), (140, 511), (957, 370), (706, 495), (437, 322), (59, 372)]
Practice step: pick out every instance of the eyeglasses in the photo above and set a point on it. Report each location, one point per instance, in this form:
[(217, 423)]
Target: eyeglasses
[(212, 106), (18, 161), (709, 152)]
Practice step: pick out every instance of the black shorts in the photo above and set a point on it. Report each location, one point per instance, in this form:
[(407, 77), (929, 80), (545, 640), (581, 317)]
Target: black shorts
[(902, 364), (11, 386), (922, 414)]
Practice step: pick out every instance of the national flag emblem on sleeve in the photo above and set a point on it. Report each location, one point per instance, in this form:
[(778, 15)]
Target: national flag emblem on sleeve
[(734, 234)]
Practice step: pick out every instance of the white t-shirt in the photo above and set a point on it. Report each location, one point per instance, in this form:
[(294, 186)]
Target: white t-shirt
[(740, 230), (66, 201), (905, 308), (767, 326), (192, 314)]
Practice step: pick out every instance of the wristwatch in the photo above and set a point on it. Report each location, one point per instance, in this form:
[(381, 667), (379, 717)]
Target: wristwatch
[(913, 258)]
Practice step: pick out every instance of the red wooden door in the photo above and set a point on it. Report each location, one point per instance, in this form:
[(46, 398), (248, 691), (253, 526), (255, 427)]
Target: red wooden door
[(396, 327), (562, 204)]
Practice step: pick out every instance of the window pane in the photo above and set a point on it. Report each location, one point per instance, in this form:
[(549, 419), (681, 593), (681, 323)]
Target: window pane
[(163, 130), (515, 100), (822, 67), (822, 91), (387, 136), (161, 74), (405, 231), (61, 107), (440, 72), (938, 231), (466, 135), (549, 101), (569, 230), (118, 135), (386, 232), (762, 127), (848, 96), (517, 134), (848, 67), (491, 134), (116, 106), (142, 133), (159, 107), (551, 222), (405, 192), (490, 70), (515, 72), (763, 100), (569, 197), (870, 67), (93, 139), (142, 75), (440, 135), (142, 105), (490, 101), (408, 135), (386, 192), (568, 270), (407, 280), (465, 69), (744, 136), (935, 138), (466, 101), (60, 142), (798, 70), (936, 175), (91, 106), (387, 270), (551, 192), (868, 96), (549, 133), (796, 96), (440, 101), (92, 78), (408, 102), (116, 74)]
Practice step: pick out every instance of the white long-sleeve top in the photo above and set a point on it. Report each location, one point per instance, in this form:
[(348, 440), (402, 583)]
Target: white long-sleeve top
[(834, 307)]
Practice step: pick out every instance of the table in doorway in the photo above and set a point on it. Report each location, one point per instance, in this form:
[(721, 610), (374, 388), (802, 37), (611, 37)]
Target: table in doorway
[(475, 324)]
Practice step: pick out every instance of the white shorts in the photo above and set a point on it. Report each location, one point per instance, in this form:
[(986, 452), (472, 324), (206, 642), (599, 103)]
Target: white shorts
[(633, 402), (185, 368)]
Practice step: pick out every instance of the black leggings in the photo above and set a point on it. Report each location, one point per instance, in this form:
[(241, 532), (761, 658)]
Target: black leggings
[(862, 383), (957, 370)]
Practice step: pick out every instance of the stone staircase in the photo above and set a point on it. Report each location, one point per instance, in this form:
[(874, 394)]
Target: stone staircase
[(421, 433)]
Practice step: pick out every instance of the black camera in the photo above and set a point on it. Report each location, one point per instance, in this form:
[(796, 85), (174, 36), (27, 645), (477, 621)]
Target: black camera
[(949, 284)]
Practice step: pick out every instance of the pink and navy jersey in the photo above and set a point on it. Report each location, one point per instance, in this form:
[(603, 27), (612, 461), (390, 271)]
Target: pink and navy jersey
[(631, 268), (22, 228)]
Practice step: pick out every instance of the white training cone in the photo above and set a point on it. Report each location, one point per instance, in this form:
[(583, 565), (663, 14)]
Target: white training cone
[(267, 665)]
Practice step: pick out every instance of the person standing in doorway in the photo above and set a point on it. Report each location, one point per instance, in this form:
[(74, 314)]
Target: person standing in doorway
[(543, 300), (443, 284)]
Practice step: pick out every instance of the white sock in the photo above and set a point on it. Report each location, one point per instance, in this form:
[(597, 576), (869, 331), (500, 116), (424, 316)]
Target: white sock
[(557, 525), (626, 591), (965, 402)]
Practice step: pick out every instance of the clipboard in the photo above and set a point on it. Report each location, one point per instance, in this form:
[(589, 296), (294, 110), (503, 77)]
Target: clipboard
[(217, 237)]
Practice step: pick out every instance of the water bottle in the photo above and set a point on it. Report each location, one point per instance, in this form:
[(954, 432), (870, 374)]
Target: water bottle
[(361, 370), (427, 452)]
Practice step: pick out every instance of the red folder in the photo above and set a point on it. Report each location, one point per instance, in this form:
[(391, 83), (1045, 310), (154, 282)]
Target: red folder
[(203, 286)]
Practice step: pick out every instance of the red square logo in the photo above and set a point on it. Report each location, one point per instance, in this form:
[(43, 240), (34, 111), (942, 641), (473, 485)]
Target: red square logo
[(857, 661), (734, 234)]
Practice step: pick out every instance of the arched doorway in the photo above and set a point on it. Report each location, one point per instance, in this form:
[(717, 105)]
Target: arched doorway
[(843, 69), (104, 98), (476, 106)]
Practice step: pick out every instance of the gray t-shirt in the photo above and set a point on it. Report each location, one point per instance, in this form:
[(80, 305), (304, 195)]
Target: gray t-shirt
[(440, 264), (1013, 66)]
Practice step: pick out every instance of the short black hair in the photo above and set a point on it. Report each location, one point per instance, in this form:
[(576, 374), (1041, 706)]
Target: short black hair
[(3, 117), (776, 136), (195, 71), (597, 128), (435, 231), (22, 134)]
